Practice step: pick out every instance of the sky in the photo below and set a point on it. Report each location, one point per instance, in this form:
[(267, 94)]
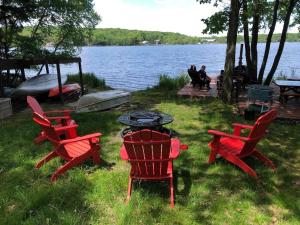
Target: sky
[(182, 16)]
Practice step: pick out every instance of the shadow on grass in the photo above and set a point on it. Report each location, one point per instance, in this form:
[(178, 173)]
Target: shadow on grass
[(29, 197), (208, 194)]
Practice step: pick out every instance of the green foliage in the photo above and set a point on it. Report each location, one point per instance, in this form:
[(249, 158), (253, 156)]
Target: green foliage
[(89, 79), (169, 83), (115, 36), (72, 20), (282, 76), (122, 37), (218, 193), (217, 23)]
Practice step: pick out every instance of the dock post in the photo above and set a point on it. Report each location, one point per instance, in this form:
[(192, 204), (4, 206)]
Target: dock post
[(59, 82), (81, 78)]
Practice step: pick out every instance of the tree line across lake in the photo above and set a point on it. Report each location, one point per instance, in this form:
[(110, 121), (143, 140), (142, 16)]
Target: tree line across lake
[(124, 37)]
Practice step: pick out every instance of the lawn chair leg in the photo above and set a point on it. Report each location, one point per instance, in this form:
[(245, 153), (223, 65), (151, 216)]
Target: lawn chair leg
[(171, 192), (64, 168), (40, 138), (240, 163), (264, 159), (47, 158), (71, 134), (96, 157), (212, 155), (129, 189)]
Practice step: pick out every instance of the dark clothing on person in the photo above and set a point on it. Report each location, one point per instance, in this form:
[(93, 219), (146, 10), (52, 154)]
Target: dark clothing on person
[(204, 78), (194, 75)]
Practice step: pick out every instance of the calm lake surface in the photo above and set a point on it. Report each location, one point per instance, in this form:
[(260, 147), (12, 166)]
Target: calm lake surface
[(138, 67)]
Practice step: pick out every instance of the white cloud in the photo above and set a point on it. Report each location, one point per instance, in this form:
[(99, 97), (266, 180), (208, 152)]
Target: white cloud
[(183, 16)]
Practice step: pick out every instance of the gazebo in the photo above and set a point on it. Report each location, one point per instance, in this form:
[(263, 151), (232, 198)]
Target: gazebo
[(21, 64)]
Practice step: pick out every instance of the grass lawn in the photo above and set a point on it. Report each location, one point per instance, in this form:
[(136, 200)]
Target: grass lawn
[(205, 194)]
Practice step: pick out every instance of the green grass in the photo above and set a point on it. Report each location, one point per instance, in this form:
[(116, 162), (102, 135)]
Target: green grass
[(205, 194), (172, 84), (89, 79)]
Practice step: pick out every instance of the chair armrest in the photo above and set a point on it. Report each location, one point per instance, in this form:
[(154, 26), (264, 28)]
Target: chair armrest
[(68, 127), (86, 137), (242, 126), (238, 127), (176, 147), (222, 134), (123, 153)]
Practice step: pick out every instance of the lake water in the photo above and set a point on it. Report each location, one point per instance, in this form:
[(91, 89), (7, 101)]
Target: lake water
[(138, 67)]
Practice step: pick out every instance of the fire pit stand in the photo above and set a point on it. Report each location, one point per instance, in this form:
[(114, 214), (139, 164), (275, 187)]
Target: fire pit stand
[(139, 120)]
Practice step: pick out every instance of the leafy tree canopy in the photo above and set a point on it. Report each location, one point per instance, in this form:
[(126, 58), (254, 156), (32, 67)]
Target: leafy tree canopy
[(218, 22), (67, 22)]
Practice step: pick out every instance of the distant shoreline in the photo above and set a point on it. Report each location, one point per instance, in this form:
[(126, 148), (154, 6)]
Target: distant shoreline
[(123, 37), (153, 45)]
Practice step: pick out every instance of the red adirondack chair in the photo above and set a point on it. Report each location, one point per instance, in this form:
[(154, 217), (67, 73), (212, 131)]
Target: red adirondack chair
[(60, 117), (74, 150), (234, 147), (151, 156)]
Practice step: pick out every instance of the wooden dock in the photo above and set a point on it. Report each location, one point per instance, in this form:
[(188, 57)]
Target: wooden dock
[(189, 92), (287, 111)]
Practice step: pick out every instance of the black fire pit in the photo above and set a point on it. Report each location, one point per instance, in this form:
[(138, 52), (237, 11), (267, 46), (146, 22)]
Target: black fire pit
[(139, 120)]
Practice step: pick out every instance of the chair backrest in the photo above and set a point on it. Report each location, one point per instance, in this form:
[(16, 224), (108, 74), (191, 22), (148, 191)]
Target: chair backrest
[(260, 94), (46, 127), (34, 105), (194, 75), (148, 153), (258, 131)]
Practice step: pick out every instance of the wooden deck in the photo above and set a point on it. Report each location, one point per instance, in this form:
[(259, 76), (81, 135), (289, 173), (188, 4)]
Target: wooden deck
[(189, 92), (287, 111)]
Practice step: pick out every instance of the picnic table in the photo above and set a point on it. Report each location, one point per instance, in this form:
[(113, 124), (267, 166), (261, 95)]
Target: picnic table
[(288, 89)]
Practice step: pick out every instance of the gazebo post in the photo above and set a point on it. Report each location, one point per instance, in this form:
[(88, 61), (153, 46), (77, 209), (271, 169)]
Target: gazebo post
[(59, 82), (23, 74), (81, 78), (47, 68)]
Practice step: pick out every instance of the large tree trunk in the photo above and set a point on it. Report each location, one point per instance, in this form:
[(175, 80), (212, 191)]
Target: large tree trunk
[(246, 36), (291, 6), (230, 51), (255, 29), (268, 42)]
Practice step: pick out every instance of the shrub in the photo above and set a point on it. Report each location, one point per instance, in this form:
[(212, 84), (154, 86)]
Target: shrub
[(170, 83), (89, 79)]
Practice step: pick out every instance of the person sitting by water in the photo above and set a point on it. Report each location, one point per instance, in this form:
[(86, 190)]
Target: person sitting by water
[(203, 77), (194, 75)]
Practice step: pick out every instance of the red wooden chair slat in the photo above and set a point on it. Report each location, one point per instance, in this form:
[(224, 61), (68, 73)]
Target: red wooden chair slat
[(61, 117), (150, 154), (74, 150), (234, 147)]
